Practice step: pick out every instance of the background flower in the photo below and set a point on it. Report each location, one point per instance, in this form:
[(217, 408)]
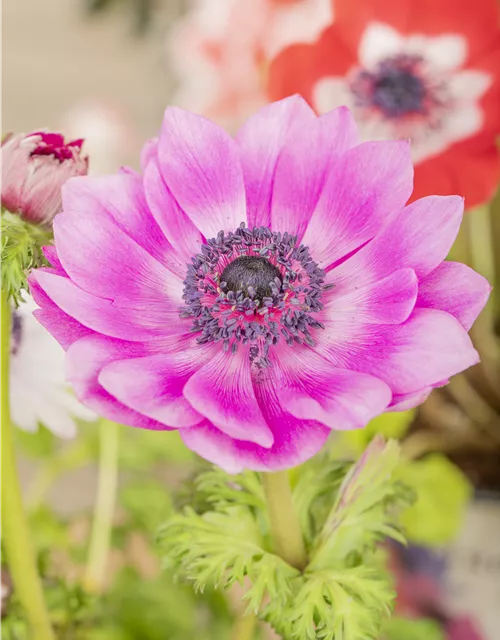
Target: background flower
[(219, 51), (39, 393), (34, 168), (428, 71), (313, 300)]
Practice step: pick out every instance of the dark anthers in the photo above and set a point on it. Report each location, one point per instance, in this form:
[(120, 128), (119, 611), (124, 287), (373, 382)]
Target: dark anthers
[(259, 313)]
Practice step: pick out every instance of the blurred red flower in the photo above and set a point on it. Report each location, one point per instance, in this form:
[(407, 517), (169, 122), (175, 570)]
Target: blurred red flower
[(428, 70)]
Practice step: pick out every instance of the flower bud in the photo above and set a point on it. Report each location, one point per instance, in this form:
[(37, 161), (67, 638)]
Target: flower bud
[(34, 168)]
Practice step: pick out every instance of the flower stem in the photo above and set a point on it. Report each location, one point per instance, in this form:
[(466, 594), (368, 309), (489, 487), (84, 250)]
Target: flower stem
[(15, 529), (285, 525), (100, 538), (244, 628)]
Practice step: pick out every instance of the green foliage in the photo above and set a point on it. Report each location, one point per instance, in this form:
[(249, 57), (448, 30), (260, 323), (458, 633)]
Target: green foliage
[(442, 492), (410, 629), (345, 591), (22, 244)]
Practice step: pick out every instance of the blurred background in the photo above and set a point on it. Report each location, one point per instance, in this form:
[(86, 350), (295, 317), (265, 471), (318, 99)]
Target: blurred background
[(105, 70)]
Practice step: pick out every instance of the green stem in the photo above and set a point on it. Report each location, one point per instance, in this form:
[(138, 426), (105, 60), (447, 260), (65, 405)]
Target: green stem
[(244, 628), (15, 528), (285, 525), (100, 537)]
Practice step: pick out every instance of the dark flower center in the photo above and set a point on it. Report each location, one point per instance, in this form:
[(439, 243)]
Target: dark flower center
[(16, 332), (53, 144), (252, 275), (254, 287), (398, 92), (397, 87)]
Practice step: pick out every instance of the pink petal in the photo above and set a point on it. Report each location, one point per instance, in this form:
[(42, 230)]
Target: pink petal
[(84, 361), (295, 442), (260, 142), (420, 238), (149, 151), (153, 385), (50, 253), (174, 223), (389, 301), (60, 325), (457, 289), (143, 322), (102, 259), (429, 347), (364, 190), (200, 165), (121, 198), (404, 402), (303, 163), (222, 391), (338, 398)]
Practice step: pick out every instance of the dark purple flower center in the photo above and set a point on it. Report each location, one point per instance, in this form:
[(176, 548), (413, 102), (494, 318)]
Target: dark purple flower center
[(396, 87), (253, 286), (53, 144), (16, 332), (252, 275)]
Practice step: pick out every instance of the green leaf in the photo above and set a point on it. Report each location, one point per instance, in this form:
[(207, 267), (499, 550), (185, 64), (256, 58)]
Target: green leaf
[(410, 629), (442, 493)]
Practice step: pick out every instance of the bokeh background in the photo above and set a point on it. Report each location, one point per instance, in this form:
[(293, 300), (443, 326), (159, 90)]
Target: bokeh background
[(105, 71)]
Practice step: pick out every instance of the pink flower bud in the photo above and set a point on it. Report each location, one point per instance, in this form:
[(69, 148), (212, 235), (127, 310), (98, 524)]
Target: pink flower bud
[(34, 168)]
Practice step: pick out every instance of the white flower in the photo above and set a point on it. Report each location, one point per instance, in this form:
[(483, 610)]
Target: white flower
[(39, 392)]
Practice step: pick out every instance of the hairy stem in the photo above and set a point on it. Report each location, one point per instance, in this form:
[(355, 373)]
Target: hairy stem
[(285, 525), (15, 528), (100, 537)]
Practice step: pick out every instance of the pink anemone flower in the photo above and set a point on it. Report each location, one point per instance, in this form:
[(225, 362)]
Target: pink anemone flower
[(256, 293)]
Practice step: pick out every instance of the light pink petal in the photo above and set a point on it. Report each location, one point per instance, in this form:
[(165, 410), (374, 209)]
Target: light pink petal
[(429, 347), (153, 385), (60, 325), (404, 402), (222, 391), (200, 165), (457, 289), (174, 223), (102, 259), (363, 192), (260, 142), (136, 323), (420, 238), (295, 442), (149, 151), (50, 254), (303, 163), (84, 361), (311, 389), (388, 301), (121, 197)]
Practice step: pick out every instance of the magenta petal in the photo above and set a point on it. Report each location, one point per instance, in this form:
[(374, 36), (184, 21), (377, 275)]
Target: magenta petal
[(201, 167), (420, 238), (84, 361), (60, 325), (295, 442), (222, 391), (153, 385), (338, 398), (50, 254), (404, 402), (389, 301), (307, 155), (149, 152), (260, 141), (103, 316), (429, 347), (174, 223), (363, 192), (102, 259), (121, 198), (457, 289)]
